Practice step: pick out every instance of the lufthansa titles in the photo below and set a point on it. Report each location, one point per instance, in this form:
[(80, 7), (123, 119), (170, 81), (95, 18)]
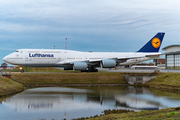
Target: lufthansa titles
[(41, 55)]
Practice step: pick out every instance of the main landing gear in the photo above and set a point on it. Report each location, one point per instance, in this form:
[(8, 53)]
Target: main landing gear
[(91, 69)]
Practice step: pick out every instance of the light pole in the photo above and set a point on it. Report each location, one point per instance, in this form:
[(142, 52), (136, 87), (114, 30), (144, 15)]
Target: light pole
[(65, 43)]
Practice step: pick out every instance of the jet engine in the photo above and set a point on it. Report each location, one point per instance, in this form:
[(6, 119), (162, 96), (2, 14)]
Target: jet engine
[(80, 66), (108, 63)]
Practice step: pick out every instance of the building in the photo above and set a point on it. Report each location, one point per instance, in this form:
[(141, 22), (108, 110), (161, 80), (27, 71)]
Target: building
[(173, 58), (160, 63)]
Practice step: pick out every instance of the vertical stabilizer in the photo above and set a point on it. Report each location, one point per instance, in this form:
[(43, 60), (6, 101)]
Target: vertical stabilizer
[(154, 44)]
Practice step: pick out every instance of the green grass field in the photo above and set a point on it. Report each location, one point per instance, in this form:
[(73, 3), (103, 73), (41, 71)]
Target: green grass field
[(166, 81), (8, 86), (35, 69), (162, 114), (46, 79)]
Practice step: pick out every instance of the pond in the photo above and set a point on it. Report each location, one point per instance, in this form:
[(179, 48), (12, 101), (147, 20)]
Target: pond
[(57, 103)]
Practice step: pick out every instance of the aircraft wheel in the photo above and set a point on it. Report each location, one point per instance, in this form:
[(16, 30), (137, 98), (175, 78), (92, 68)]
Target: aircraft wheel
[(93, 70), (96, 70), (22, 71)]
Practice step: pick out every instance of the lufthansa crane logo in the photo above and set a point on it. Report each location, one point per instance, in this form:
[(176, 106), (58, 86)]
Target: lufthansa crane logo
[(156, 42)]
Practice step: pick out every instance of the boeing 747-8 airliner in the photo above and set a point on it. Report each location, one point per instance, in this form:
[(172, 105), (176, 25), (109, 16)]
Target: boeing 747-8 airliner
[(84, 61)]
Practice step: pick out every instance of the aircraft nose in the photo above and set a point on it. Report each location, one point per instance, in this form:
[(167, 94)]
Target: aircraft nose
[(5, 59)]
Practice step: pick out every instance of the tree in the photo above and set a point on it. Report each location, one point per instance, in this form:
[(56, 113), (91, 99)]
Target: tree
[(4, 65)]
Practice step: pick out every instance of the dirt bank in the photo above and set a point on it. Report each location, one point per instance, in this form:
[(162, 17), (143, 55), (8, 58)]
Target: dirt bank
[(169, 81), (8, 87)]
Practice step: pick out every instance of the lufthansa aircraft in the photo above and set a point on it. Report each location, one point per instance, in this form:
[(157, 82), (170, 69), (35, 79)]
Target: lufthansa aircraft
[(84, 61)]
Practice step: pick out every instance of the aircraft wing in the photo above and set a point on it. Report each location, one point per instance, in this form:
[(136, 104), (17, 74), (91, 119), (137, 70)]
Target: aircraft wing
[(130, 57), (118, 59), (95, 60), (161, 54), (153, 55), (67, 62)]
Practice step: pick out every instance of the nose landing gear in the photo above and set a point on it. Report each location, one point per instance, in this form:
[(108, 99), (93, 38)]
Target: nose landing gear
[(21, 70)]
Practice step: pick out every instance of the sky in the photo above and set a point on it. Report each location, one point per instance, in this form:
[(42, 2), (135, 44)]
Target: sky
[(88, 25)]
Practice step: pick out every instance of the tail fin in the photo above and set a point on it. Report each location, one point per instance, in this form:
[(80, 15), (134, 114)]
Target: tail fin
[(154, 44)]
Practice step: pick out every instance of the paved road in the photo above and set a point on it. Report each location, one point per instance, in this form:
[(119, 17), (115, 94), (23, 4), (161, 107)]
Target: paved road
[(142, 71), (119, 70)]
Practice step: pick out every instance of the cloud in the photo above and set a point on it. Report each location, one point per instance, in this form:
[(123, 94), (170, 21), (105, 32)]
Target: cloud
[(78, 13), (89, 25)]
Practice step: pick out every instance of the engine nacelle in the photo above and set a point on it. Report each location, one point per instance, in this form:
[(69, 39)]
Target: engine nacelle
[(80, 66), (108, 63)]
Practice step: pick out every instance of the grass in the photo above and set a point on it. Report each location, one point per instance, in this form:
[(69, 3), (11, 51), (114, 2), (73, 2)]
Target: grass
[(8, 86), (36, 69), (46, 79), (11, 70), (163, 80), (162, 114), (48, 69), (44, 69), (166, 81)]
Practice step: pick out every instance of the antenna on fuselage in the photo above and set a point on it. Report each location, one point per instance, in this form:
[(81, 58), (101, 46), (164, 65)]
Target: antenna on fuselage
[(65, 43)]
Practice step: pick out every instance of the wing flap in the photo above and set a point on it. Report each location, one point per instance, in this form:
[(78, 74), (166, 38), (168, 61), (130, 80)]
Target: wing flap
[(156, 55), (118, 58), (64, 62), (130, 57), (95, 60)]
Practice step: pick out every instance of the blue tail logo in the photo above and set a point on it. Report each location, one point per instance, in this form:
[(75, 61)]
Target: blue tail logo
[(154, 44)]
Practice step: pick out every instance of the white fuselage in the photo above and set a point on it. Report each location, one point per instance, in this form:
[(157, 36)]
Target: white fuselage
[(59, 58)]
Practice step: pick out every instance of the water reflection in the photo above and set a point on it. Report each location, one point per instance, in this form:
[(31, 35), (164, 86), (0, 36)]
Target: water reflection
[(59, 102)]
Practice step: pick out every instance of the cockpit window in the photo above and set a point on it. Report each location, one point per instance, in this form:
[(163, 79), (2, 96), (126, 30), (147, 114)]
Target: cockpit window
[(17, 51)]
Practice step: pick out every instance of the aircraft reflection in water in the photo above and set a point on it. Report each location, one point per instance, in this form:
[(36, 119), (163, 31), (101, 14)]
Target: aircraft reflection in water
[(73, 99), (57, 102)]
